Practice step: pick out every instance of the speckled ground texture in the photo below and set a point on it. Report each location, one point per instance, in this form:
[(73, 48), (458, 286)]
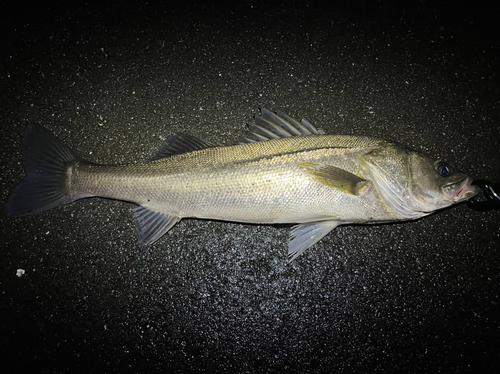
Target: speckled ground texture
[(420, 296)]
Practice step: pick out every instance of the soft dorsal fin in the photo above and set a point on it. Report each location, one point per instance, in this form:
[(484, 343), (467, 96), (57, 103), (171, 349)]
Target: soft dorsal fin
[(181, 143), (269, 125)]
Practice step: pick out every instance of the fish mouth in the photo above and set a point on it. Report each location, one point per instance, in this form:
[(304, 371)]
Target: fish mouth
[(461, 190)]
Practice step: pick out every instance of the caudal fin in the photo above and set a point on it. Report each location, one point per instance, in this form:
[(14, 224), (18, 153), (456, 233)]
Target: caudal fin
[(46, 160)]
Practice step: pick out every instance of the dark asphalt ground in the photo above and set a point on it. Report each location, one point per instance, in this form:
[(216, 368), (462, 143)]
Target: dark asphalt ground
[(112, 83)]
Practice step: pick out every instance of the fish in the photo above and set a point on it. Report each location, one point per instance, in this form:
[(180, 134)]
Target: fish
[(282, 172)]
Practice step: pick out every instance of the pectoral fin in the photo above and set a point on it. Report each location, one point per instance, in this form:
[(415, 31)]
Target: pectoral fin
[(306, 235), (152, 225), (336, 178)]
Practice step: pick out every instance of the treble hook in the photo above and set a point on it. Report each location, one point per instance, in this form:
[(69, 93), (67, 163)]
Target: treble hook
[(491, 193)]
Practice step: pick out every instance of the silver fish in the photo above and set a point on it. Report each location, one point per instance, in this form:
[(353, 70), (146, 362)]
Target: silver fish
[(284, 171)]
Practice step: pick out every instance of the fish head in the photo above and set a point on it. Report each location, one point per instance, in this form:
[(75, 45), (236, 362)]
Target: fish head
[(414, 184), (436, 184)]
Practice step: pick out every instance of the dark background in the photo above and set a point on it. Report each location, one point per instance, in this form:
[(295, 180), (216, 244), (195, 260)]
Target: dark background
[(113, 82)]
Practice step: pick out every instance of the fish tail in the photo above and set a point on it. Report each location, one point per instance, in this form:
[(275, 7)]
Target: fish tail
[(46, 161)]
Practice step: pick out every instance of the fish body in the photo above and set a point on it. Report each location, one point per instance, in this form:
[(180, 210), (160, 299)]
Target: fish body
[(283, 172), (261, 182)]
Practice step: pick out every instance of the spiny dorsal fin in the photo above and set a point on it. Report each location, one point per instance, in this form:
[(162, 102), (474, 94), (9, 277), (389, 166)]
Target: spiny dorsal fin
[(181, 143), (336, 178), (269, 125)]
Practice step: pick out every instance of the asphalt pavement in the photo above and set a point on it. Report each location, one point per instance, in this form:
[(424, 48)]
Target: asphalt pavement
[(77, 293)]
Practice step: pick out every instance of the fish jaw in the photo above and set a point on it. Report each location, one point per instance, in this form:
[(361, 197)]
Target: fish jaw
[(460, 191)]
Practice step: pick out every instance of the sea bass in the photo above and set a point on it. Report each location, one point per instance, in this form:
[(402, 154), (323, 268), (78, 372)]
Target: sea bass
[(283, 172)]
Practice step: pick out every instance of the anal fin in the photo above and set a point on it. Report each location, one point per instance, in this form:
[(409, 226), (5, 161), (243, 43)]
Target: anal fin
[(152, 225)]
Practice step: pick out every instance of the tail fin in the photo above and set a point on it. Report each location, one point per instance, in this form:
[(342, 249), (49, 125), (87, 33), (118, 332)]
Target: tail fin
[(46, 160)]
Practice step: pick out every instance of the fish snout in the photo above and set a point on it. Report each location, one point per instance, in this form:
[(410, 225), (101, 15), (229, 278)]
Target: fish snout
[(461, 190)]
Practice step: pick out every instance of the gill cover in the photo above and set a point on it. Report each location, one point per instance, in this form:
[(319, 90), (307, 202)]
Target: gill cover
[(389, 169)]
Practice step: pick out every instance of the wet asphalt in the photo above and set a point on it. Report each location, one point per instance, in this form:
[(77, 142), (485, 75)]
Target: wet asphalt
[(420, 296)]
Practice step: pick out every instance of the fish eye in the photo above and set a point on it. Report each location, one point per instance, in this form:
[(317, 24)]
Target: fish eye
[(442, 168)]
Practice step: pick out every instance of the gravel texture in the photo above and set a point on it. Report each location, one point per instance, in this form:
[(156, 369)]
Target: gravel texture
[(214, 296)]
